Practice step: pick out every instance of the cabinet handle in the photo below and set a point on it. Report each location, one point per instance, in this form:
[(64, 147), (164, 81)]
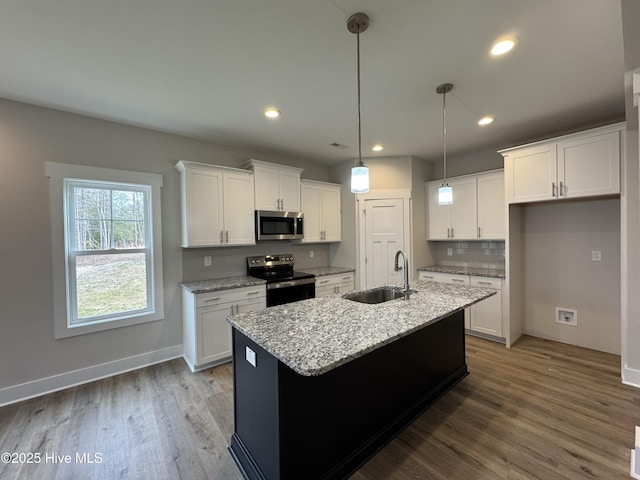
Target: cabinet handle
[(561, 190), (231, 310), (346, 278), (553, 189), (448, 233), (212, 300), (484, 283), (479, 232), (323, 281), (457, 280), (427, 276), (237, 308), (221, 236), (453, 233), (252, 293), (227, 236)]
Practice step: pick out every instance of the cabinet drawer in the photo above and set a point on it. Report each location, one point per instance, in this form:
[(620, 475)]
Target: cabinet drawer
[(451, 278), (234, 295), (328, 280), (487, 282)]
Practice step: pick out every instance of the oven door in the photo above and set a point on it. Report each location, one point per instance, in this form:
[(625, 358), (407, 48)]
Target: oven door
[(278, 225), (291, 291)]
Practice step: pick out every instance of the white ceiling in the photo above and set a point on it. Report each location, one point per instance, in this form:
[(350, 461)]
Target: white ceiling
[(208, 68)]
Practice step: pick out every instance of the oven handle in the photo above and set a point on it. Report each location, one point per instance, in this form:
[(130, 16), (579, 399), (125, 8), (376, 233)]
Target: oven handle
[(290, 283)]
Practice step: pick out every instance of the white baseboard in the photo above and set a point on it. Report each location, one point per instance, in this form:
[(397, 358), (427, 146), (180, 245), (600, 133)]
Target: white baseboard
[(631, 376), (35, 388), (634, 471)]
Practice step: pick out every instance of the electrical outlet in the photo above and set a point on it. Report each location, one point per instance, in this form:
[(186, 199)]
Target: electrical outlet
[(312, 254), (250, 355), (596, 255), (567, 316), (207, 260), (449, 251)]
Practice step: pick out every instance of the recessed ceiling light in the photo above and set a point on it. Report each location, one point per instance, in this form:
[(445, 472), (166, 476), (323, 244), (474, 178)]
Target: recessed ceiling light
[(272, 113), (503, 46), (378, 148), (485, 120)]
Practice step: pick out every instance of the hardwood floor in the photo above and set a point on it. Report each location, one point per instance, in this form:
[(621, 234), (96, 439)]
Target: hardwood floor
[(541, 410)]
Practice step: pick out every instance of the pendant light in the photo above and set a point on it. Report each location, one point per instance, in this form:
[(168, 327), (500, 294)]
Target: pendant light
[(358, 23), (445, 192)]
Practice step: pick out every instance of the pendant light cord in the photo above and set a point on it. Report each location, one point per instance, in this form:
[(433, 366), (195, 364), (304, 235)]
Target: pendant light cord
[(444, 138), (359, 120)]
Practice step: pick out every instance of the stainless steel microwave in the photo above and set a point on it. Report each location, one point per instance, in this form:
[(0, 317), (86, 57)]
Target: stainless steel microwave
[(273, 225)]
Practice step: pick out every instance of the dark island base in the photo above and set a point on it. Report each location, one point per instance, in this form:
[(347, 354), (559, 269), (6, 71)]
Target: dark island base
[(290, 426)]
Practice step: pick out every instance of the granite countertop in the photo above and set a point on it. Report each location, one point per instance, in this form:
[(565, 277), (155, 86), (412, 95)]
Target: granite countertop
[(317, 335), (474, 271), (322, 271), (216, 284)]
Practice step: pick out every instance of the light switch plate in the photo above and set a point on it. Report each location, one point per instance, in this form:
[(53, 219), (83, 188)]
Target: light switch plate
[(250, 355), (207, 260), (596, 255)]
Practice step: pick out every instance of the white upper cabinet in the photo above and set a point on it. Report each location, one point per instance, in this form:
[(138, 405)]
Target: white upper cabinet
[(584, 164), (477, 212), (491, 206), (456, 221), (321, 206), (277, 187), (216, 205)]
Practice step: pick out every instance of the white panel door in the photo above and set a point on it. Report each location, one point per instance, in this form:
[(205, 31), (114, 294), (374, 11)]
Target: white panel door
[(530, 174), (311, 198), (439, 226), (204, 208), (464, 209), (238, 209), (331, 214), (589, 166), (491, 206), (384, 237), (289, 186)]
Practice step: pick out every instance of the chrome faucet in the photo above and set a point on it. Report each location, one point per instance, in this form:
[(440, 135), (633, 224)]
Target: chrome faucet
[(396, 267)]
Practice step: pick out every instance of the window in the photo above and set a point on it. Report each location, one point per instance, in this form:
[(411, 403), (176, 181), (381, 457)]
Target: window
[(106, 248)]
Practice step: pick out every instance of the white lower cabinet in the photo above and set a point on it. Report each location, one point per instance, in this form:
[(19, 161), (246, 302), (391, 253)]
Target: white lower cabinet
[(330, 284), (206, 332), (484, 317)]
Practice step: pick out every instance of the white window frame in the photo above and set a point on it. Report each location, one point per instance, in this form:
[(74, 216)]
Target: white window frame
[(64, 176)]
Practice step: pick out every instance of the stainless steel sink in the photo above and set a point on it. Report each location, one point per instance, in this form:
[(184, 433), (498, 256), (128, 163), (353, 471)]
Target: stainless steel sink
[(377, 295)]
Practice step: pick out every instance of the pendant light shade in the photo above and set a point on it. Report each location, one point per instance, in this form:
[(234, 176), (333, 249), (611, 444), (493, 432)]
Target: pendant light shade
[(358, 23), (360, 179), (445, 192)]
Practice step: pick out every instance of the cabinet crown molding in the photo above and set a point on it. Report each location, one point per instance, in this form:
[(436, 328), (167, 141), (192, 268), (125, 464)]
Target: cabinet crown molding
[(252, 162)]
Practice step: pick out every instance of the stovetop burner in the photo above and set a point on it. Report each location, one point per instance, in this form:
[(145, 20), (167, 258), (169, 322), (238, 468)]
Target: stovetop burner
[(274, 268)]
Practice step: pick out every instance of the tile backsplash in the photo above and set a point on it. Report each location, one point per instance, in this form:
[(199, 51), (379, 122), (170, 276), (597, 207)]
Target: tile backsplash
[(232, 261), (469, 254)]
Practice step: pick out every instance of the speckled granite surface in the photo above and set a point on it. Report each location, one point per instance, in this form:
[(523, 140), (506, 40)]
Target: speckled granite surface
[(314, 336), (322, 271), (216, 284), (479, 272)]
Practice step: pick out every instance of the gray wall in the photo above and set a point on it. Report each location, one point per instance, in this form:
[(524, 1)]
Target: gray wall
[(557, 241), (468, 163), (31, 136)]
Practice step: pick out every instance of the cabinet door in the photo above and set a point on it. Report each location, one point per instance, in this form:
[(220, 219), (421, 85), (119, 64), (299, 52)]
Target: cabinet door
[(289, 187), (530, 174), (464, 209), (326, 290), (203, 222), (214, 333), (238, 209), (439, 224), (331, 214), (267, 189), (589, 166), (491, 206), (311, 197), (486, 315)]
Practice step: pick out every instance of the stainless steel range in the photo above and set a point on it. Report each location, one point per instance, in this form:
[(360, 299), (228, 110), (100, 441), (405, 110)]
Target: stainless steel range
[(284, 285)]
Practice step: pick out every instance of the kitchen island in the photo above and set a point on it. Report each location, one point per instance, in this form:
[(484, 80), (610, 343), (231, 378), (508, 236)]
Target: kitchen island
[(320, 385)]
